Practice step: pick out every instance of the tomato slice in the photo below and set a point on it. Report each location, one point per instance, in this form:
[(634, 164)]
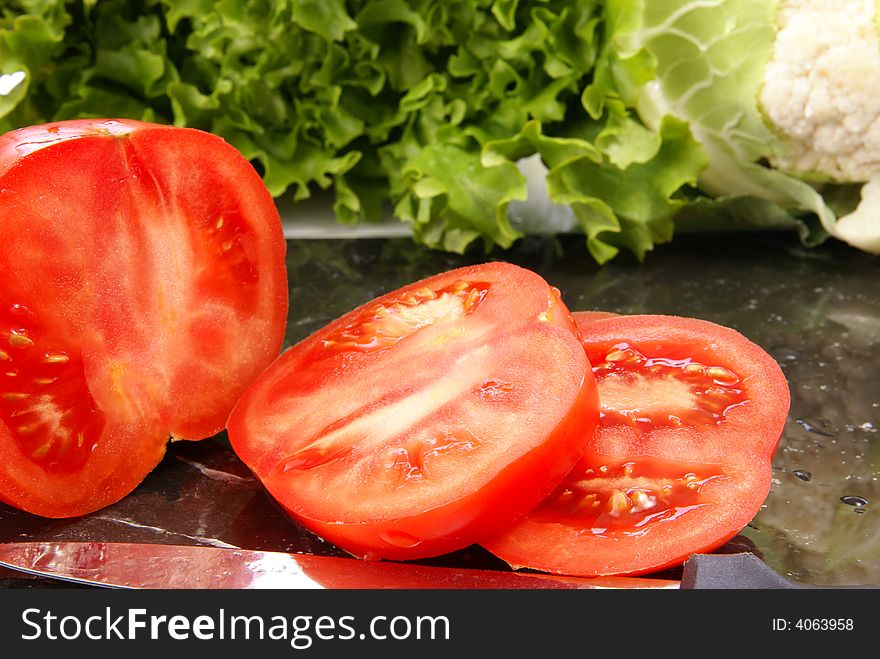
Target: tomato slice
[(691, 414), (426, 418), (144, 286), (584, 318)]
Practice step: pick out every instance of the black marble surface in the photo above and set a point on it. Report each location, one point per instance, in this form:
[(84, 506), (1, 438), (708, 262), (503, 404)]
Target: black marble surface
[(817, 311)]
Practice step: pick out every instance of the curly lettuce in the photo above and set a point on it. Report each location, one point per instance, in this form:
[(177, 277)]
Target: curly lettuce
[(418, 107), (643, 115)]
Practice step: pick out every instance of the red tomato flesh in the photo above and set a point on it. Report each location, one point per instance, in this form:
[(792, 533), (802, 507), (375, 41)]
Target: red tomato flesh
[(691, 414), (425, 419), (144, 286), (583, 318)]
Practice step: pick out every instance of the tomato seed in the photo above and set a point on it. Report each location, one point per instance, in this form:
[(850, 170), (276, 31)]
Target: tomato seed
[(716, 392), (618, 503), (618, 356), (642, 501), (473, 299), (703, 394), (722, 376), (382, 325), (20, 340), (41, 451)]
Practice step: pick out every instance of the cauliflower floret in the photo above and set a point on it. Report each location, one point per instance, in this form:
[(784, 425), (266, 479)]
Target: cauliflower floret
[(820, 89)]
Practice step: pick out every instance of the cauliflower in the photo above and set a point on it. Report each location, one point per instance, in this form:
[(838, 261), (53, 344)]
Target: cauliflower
[(784, 97), (820, 89), (821, 94)]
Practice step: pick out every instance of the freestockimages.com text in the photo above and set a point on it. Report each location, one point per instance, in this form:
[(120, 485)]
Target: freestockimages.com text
[(299, 631)]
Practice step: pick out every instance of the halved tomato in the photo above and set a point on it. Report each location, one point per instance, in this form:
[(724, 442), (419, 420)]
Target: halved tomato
[(691, 414), (425, 419), (144, 286)]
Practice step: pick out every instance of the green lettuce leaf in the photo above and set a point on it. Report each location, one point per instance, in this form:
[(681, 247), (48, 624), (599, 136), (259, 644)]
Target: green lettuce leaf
[(642, 112)]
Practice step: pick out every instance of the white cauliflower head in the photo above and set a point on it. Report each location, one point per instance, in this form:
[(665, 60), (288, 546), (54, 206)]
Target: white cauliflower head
[(821, 89), (821, 96), (783, 95)]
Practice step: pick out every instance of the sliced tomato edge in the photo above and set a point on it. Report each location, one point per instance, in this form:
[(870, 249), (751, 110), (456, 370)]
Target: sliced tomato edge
[(623, 556), (236, 425), (759, 462), (464, 520), (358, 538)]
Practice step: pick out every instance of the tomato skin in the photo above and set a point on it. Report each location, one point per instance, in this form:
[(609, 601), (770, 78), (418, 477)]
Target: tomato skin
[(151, 262), (584, 318), (701, 482), (467, 460)]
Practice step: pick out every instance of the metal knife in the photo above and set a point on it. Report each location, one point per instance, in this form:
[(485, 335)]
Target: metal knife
[(155, 566)]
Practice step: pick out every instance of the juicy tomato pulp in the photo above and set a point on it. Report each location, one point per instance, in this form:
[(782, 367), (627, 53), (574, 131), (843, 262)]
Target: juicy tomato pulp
[(691, 414), (426, 418), (144, 285)]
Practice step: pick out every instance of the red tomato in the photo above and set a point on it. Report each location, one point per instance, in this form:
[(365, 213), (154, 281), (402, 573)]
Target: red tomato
[(691, 414), (426, 418), (144, 286), (584, 318)]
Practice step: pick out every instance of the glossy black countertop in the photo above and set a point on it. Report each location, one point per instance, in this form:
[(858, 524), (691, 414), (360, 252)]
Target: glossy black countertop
[(816, 311)]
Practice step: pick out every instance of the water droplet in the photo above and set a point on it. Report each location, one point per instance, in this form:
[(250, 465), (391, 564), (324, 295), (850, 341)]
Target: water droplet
[(851, 500), (783, 354), (818, 426), (21, 311), (802, 474)]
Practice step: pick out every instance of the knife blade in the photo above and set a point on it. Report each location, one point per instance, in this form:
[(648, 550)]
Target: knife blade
[(155, 566)]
